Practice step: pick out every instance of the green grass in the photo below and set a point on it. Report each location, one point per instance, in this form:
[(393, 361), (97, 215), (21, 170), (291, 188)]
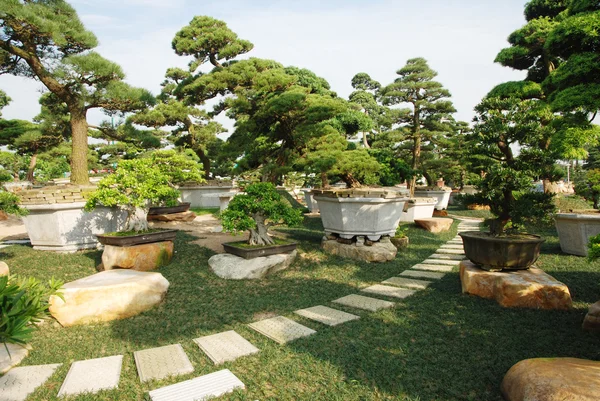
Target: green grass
[(460, 211), (436, 345), (200, 211)]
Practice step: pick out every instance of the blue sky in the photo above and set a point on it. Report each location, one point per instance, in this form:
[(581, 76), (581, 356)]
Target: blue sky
[(335, 39)]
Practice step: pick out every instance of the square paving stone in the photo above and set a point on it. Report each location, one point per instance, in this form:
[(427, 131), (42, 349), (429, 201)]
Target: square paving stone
[(92, 375), (446, 256), (18, 383), (281, 329), (226, 346), (450, 251), (161, 362), (433, 268), (453, 246), (325, 315), (199, 389), (422, 274), (446, 262), (389, 291), (407, 282), (361, 302)]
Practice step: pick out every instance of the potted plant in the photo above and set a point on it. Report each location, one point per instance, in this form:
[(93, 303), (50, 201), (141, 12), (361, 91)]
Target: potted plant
[(576, 228), (255, 211), (506, 188), (400, 239), (441, 195)]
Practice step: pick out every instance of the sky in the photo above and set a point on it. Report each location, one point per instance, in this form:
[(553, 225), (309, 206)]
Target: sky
[(334, 38)]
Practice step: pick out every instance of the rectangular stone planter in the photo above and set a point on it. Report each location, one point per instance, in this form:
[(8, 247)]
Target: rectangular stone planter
[(66, 227), (311, 203), (251, 253), (145, 238), (418, 208), (204, 195), (575, 230), (442, 197)]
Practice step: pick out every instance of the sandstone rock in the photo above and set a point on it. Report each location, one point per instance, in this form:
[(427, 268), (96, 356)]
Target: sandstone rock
[(475, 206), (3, 216), (233, 267), (530, 288), (141, 257), (4, 270), (592, 319), (181, 216), (552, 379), (440, 213), (435, 224), (109, 295), (9, 361), (377, 252)]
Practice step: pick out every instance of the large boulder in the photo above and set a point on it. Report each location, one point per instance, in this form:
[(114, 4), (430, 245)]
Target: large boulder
[(4, 270), (382, 251), (435, 224), (552, 379), (108, 295), (228, 266), (141, 257), (592, 319), (530, 288)]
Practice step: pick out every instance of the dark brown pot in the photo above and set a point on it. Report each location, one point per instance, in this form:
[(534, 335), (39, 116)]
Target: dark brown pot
[(251, 253), (501, 253), (182, 207), (164, 235), (399, 243)]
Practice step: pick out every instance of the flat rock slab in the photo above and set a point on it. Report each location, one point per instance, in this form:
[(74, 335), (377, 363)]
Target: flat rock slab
[(388, 291), (225, 347), (108, 295), (445, 262), (422, 274), (378, 252), (92, 375), (181, 216), (199, 389), (530, 288), (446, 256), (407, 282), (143, 257), (161, 362), (552, 379), (361, 302), (18, 383), (228, 266), (446, 251), (435, 224), (16, 356), (433, 268), (281, 329), (325, 315), (592, 318), (453, 246)]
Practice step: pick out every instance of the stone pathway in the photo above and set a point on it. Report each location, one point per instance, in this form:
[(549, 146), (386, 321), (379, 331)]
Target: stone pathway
[(171, 360)]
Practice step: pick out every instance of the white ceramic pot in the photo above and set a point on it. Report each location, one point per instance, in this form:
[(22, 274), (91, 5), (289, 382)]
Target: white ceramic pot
[(418, 208), (442, 197)]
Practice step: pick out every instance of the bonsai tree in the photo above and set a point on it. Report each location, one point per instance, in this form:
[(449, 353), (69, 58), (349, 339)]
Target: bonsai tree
[(137, 184), (589, 188), (260, 208), (500, 125)]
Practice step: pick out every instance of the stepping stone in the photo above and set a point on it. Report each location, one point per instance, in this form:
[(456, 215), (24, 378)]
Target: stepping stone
[(407, 282), (15, 355), (361, 302), (281, 329), (445, 256), (422, 274), (199, 389), (4, 246), (433, 268), (16, 242), (161, 362), (389, 291), (18, 383), (325, 315), (447, 262), (451, 251), (455, 241), (226, 346), (104, 374), (452, 246)]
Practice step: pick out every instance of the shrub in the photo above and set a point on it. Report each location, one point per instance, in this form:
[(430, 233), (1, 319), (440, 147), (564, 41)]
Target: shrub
[(589, 187), (594, 248), (9, 203)]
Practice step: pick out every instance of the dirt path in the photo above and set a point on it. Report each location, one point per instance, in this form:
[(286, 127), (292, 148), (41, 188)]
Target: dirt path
[(12, 228)]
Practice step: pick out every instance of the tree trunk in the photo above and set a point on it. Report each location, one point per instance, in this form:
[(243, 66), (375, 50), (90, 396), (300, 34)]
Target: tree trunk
[(324, 180), (136, 219), (205, 163), (416, 151), (364, 140), (350, 180), (259, 235), (31, 168), (79, 130)]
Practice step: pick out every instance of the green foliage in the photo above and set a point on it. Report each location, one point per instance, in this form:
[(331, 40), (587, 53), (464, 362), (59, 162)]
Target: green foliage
[(4, 100), (401, 231), (594, 248), (23, 302), (9, 203), (177, 166), (589, 187), (260, 202)]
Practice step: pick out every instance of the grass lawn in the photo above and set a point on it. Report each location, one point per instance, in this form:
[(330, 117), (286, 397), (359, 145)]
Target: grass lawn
[(436, 345), (200, 211)]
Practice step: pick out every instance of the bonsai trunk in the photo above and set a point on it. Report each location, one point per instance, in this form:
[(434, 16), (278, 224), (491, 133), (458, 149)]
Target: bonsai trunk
[(324, 180), (136, 219), (350, 180), (259, 235), (205, 163), (416, 151), (31, 168), (79, 130), (364, 140)]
